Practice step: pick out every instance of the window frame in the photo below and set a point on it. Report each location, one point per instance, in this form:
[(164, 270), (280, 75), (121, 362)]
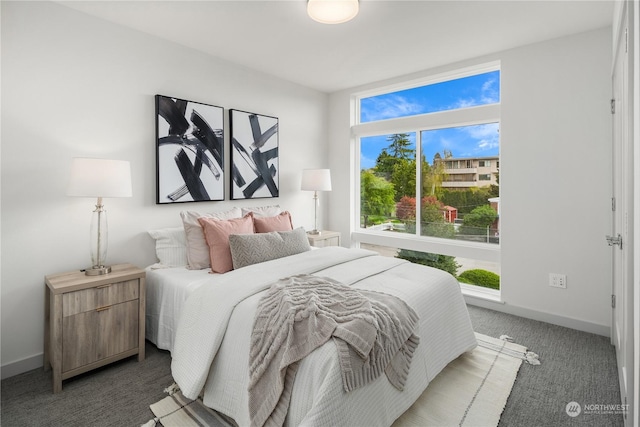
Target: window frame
[(476, 115)]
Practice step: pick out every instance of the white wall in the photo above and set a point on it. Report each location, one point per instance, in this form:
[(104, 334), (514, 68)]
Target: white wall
[(73, 85), (555, 174)]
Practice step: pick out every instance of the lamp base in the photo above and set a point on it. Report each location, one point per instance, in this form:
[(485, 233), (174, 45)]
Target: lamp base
[(98, 270), (314, 232)]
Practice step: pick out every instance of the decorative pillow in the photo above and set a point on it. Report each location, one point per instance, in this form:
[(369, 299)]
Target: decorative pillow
[(216, 233), (262, 211), (197, 249), (280, 222), (251, 249), (171, 247)]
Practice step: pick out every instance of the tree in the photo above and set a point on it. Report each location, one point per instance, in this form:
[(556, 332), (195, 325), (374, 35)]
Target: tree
[(376, 195), (406, 208), (432, 219), (403, 178), (385, 163), (482, 216), (399, 147), (465, 200), (433, 175), (478, 220), (432, 224)]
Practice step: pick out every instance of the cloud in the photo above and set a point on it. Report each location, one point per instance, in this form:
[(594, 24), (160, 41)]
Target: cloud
[(490, 92), (487, 93), (388, 107), (486, 138)]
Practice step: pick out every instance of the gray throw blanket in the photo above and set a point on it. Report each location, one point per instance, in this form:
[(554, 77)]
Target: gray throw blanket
[(373, 332)]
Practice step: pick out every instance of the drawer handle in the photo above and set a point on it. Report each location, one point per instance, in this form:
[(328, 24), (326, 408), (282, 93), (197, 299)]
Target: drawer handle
[(107, 307), (103, 286)]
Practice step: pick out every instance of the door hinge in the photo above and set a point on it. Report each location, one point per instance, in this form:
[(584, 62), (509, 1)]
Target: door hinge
[(613, 301), (613, 106), (615, 240), (613, 204)]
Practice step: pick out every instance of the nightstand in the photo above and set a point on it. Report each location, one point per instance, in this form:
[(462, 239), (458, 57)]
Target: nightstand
[(91, 321), (325, 238)]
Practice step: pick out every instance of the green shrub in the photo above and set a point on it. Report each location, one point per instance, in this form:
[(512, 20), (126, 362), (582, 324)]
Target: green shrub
[(441, 262), (479, 277)]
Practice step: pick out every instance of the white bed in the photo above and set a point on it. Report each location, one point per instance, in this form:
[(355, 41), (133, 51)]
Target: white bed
[(167, 288), (210, 342)]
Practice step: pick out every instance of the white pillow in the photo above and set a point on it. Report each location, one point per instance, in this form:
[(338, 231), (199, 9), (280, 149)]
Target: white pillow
[(263, 211), (197, 248), (171, 247)]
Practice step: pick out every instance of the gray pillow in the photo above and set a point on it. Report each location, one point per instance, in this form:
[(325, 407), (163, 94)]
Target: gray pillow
[(248, 249)]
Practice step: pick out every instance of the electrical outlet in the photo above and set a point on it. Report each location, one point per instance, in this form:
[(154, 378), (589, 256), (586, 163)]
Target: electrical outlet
[(558, 280)]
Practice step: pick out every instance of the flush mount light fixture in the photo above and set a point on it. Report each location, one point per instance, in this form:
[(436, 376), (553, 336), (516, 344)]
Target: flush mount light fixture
[(332, 11)]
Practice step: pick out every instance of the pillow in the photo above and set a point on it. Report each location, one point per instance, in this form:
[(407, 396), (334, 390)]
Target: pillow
[(280, 222), (262, 211), (171, 246), (216, 233), (251, 249), (197, 249)]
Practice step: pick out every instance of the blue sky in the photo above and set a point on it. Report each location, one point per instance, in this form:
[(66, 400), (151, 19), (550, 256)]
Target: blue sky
[(468, 141)]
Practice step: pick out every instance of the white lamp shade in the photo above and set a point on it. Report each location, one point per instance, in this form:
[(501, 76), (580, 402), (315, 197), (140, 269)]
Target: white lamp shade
[(332, 11), (99, 178), (316, 180)]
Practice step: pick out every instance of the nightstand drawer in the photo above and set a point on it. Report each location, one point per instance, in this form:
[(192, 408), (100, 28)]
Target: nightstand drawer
[(98, 334), (324, 239), (101, 296), (331, 241)]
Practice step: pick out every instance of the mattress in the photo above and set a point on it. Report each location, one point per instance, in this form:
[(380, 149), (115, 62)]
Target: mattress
[(166, 291)]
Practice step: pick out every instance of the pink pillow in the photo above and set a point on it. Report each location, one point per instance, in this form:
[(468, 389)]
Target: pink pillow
[(281, 222), (216, 234)]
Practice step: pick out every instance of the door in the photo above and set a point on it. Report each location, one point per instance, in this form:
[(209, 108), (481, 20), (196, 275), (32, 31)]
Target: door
[(622, 297)]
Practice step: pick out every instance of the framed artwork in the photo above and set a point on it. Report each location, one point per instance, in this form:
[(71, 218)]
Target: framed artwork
[(189, 151), (254, 155)]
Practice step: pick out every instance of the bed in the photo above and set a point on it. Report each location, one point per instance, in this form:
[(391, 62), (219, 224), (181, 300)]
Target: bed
[(205, 320)]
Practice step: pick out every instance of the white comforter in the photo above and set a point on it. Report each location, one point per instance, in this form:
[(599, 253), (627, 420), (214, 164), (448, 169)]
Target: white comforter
[(211, 350)]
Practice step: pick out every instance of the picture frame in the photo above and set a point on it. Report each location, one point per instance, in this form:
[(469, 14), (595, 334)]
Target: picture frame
[(189, 151), (254, 155)]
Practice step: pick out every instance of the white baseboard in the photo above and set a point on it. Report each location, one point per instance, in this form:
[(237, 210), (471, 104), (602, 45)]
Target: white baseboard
[(541, 316), (21, 366)]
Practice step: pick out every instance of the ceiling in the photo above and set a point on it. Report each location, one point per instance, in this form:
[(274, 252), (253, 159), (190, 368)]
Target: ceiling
[(387, 38)]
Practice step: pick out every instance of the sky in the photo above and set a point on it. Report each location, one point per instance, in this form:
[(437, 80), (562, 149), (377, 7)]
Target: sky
[(468, 141)]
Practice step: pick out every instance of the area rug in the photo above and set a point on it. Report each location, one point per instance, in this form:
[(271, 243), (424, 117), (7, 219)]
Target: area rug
[(471, 391)]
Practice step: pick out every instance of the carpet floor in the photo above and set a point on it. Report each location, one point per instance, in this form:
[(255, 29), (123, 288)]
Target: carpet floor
[(576, 367)]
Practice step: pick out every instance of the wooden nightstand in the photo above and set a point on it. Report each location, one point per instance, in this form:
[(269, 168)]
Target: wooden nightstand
[(91, 321), (325, 238)]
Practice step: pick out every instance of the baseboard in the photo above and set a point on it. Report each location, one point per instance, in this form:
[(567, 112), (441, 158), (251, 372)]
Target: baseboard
[(21, 366), (567, 322)]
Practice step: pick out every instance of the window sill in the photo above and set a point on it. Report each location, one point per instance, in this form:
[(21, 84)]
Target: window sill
[(481, 293)]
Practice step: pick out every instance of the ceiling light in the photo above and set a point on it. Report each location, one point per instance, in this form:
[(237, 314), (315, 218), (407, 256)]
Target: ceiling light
[(332, 11)]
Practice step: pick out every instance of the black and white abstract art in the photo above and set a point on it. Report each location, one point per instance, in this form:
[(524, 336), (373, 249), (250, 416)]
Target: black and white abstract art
[(189, 151), (254, 155)]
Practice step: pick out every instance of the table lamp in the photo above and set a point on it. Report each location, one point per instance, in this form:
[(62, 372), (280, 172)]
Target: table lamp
[(316, 180), (99, 178)]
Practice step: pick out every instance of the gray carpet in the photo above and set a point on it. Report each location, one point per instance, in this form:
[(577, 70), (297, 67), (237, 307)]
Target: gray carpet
[(576, 366)]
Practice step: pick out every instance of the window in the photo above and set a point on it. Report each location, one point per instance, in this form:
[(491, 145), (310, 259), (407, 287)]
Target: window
[(420, 191)]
